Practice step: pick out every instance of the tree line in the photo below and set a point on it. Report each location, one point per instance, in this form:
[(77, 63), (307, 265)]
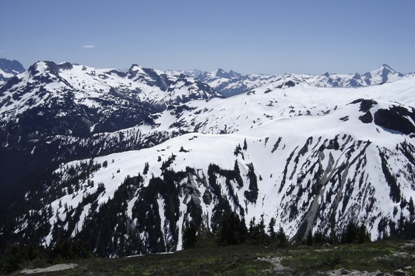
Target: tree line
[(232, 231)]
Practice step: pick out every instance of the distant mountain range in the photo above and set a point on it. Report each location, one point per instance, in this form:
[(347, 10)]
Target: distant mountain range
[(124, 159), (232, 83)]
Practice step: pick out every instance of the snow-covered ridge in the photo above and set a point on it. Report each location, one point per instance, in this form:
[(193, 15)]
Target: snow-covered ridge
[(59, 112), (284, 163), (91, 87), (313, 158)]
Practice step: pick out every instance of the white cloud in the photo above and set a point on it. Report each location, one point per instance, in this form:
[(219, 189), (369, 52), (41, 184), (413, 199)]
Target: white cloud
[(89, 46)]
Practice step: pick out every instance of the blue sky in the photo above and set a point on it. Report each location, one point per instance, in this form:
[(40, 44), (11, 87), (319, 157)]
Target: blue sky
[(267, 36)]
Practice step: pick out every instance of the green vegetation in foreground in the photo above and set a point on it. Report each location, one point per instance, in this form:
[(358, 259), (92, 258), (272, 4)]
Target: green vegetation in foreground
[(232, 250), (244, 259), (384, 256)]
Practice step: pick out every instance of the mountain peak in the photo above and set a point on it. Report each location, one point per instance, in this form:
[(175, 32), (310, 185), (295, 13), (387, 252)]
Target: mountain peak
[(234, 74), (135, 70), (9, 69), (384, 74), (133, 66), (387, 68), (11, 66), (220, 72), (227, 75), (41, 67)]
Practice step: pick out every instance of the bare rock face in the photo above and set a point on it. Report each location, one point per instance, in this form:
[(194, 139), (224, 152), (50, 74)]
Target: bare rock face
[(396, 118)]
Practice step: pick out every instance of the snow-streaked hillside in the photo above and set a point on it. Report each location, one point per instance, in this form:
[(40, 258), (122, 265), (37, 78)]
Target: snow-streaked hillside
[(60, 112), (313, 158), (267, 103)]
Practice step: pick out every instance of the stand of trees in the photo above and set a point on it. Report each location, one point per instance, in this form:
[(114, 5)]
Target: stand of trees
[(232, 231), (352, 233)]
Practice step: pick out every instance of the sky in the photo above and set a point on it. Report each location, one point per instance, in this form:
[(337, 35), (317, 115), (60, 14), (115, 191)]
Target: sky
[(265, 36)]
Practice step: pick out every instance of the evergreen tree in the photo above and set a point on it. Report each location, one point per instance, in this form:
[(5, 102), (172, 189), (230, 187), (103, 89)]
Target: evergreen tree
[(204, 236), (271, 230), (253, 231), (262, 236), (309, 238), (319, 238), (362, 234), (231, 230), (349, 235), (355, 234), (189, 235), (411, 208), (257, 234), (243, 230), (236, 167), (282, 238), (146, 167)]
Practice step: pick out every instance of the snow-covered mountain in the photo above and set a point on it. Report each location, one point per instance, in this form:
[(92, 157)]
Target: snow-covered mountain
[(379, 76), (135, 155), (91, 87), (56, 112), (9, 68), (232, 83)]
